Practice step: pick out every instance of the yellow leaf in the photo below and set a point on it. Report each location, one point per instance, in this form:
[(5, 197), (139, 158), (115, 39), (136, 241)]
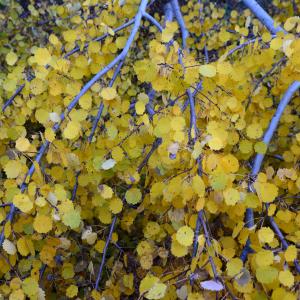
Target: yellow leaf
[(30, 287), (133, 196), (49, 135), (266, 192), (23, 202), (231, 196), (264, 258), (254, 131), (13, 168), (108, 93), (147, 283), (158, 291), (286, 278), (99, 246), (291, 22), (42, 224), (11, 58), (22, 144), (105, 191), (53, 39), (177, 249), (290, 253), (185, 236), (234, 266), (168, 32), (265, 235), (42, 56), (140, 107), (208, 70), (9, 247), (22, 245), (276, 43), (86, 101), (116, 205), (72, 291), (72, 130), (266, 274), (198, 186)]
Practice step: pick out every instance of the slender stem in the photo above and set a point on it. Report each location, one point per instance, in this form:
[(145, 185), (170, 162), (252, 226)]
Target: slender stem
[(149, 106), (155, 145), (193, 118), (5, 204), (263, 16), (180, 20), (293, 88), (74, 192), (153, 21), (249, 218), (208, 242), (9, 218), (67, 55), (101, 107), (168, 11), (100, 38), (12, 98), (282, 240), (262, 79), (111, 230), (243, 45)]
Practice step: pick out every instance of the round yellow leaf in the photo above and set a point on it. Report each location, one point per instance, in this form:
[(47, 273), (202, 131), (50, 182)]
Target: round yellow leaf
[(185, 236), (231, 196), (264, 258), (234, 266), (9, 247), (266, 274), (22, 144), (42, 56), (108, 93), (23, 246), (208, 70), (254, 131), (30, 287), (265, 235), (23, 202), (133, 196), (11, 58), (140, 107), (72, 130), (266, 192), (49, 135), (290, 253), (286, 278), (42, 224), (13, 168), (99, 246), (115, 205), (177, 249), (72, 291)]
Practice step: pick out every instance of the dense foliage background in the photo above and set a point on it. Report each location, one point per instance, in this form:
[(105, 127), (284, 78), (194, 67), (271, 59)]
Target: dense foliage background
[(149, 149)]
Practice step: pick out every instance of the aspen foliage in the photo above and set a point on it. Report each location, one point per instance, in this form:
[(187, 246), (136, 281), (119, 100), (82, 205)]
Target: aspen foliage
[(138, 182)]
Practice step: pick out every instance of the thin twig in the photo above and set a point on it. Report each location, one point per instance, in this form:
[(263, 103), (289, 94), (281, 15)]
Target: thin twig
[(180, 20), (249, 218), (108, 239), (67, 55), (276, 65), (155, 145), (263, 16)]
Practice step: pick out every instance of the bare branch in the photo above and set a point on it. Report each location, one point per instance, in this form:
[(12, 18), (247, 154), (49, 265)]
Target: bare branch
[(180, 20), (249, 218), (263, 16)]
